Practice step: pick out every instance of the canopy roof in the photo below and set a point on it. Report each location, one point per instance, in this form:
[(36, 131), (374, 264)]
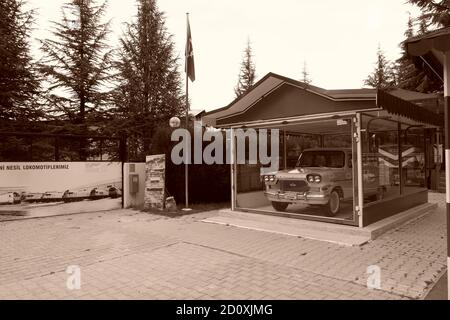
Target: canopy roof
[(429, 49), (433, 102), (397, 106)]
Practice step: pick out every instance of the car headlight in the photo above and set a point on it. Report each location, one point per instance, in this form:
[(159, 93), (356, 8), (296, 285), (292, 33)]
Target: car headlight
[(314, 178), (270, 178)]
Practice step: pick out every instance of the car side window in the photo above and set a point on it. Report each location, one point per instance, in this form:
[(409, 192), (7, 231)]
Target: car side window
[(349, 161)]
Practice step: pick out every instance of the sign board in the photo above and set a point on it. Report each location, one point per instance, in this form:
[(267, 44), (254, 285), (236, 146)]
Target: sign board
[(52, 188), (155, 182)]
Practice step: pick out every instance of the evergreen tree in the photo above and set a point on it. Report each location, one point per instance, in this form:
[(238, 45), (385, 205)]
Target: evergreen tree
[(78, 64), (247, 73), (423, 25), (434, 12), (19, 84), (305, 74), (407, 73), (383, 75), (409, 33), (149, 83)]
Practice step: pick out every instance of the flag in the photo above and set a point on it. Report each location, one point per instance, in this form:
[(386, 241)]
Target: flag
[(189, 65)]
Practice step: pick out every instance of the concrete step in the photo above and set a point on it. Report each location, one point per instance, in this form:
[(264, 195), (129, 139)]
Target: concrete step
[(329, 232)]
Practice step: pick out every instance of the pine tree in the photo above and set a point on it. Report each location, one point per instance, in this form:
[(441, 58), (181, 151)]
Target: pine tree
[(407, 73), (247, 72), (19, 84), (305, 74), (149, 83), (434, 13), (383, 75), (78, 64), (409, 33), (423, 25)]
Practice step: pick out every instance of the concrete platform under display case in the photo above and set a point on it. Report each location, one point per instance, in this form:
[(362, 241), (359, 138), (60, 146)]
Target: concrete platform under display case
[(334, 233)]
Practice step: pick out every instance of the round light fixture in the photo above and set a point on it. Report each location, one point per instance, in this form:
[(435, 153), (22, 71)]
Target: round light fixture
[(174, 122)]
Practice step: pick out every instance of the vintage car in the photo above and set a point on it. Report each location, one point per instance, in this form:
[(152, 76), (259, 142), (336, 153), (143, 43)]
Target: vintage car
[(321, 177)]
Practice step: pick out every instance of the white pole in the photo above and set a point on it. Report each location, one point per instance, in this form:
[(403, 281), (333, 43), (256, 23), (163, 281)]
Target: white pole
[(186, 165), (447, 158), (232, 171), (360, 170)]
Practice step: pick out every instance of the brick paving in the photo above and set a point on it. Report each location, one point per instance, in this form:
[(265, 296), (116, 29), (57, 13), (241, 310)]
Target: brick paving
[(125, 254)]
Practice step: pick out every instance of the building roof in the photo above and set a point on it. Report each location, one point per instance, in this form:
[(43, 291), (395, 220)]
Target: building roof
[(291, 98), (271, 82)]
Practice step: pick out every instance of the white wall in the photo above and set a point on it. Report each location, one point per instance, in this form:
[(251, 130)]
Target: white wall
[(136, 200)]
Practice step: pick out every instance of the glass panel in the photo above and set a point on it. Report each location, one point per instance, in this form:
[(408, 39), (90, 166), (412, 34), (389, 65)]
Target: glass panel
[(381, 178), (296, 143), (315, 175), (413, 160)]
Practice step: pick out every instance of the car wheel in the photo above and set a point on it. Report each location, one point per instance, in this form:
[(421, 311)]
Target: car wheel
[(334, 204), (280, 206)]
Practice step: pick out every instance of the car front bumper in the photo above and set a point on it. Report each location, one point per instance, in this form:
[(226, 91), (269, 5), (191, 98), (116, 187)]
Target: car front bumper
[(297, 197)]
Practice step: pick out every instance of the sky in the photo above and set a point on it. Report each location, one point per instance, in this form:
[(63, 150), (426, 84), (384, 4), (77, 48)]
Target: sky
[(338, 40)]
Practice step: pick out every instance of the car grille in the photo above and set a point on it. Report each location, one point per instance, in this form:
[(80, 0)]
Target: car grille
[(294, 185)]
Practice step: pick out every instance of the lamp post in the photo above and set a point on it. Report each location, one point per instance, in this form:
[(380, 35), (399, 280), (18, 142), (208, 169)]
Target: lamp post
[(175, 122)]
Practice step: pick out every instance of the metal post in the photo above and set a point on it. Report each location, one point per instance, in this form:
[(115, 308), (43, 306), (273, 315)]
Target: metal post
[(359, 164), (284, 149), (425, 157), (186, 165), (123, 151), (447, 157), (232, 171), (400, 156), (438, 161)]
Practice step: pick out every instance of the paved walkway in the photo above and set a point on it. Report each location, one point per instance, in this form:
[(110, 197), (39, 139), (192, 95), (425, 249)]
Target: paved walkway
[(125, 254)]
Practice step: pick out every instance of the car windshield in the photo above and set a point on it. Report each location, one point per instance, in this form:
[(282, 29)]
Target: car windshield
[(322, 158)]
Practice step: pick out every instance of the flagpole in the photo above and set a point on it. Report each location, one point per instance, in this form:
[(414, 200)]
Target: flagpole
[(186, 166)]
